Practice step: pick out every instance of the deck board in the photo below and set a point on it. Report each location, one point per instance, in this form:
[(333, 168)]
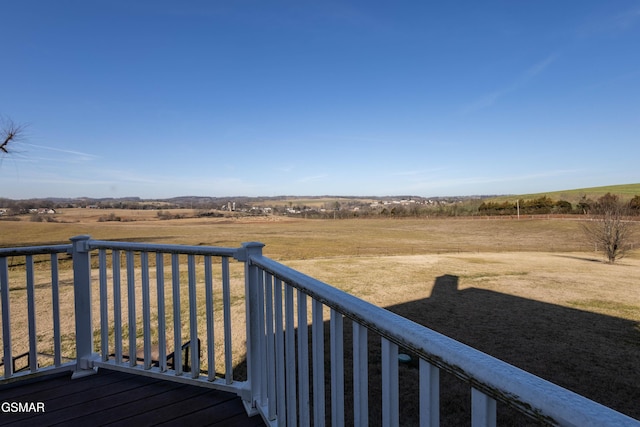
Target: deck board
[(117, 398)]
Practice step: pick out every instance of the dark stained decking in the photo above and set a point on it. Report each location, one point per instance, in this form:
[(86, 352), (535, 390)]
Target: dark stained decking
[(120, 399)]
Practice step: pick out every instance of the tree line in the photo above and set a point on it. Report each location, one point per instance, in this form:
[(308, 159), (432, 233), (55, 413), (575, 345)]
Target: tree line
[(545, 205)]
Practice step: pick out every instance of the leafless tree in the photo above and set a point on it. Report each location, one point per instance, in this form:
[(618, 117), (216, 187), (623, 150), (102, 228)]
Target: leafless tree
[(10, 133), (610, 227)]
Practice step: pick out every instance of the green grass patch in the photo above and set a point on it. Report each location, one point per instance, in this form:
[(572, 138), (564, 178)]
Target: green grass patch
[(625, 191)]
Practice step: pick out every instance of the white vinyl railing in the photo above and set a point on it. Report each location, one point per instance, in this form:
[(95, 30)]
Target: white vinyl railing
[(23, 360), (165, 311), (287, 392), (141, 308), (165, 335)]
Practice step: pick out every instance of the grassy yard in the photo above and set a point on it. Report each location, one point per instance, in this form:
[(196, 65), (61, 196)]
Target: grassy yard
[(530, 292)]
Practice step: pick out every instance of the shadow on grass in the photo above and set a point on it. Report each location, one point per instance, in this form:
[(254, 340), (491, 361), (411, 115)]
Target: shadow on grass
[(591, 354), (580, 258)]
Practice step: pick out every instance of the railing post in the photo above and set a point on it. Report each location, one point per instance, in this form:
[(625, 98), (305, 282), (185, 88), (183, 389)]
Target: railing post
[(254, 321), (82, 302), (483, 409)]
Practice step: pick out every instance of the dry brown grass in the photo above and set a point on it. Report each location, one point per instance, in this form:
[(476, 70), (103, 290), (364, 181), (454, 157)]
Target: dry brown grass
[(292, 238), (529, 292), (567, 317)]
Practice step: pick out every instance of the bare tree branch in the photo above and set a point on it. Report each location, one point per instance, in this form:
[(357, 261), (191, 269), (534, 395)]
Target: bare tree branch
[(10, 133), (610, 229)]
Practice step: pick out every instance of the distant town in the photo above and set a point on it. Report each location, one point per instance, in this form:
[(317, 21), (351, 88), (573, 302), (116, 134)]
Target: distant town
[(318, 206), (308, 206)]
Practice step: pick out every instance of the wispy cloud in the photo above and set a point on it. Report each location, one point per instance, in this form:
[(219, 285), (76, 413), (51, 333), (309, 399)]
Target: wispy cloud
[(492, 98), (312, 178), (408, 173), (612, 24), (417, 174), (72, 155), (537, 69), (284, 169), (626, 20), (486, 101)]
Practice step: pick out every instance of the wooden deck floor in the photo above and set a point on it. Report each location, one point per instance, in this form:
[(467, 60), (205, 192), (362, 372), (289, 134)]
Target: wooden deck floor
[(115, 398)]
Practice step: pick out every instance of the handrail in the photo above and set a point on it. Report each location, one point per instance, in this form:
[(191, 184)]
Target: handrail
[(168, 249), (529, 394), (34, 250)]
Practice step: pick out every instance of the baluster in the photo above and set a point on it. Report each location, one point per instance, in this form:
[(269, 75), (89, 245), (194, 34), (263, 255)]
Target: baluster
[(162, 330), (193, 318), (104, 306), (290, 350), (280, 361), (31, 315), (226, 306), (55, 307), (271, 363), (429, 394), (337, 368), (131, 300), (146, 309), (317, 345), (262, 338), (303, 360), (177, 322), (483, 409), (211, 348), (360, 375), (390, 396), (117, 308)]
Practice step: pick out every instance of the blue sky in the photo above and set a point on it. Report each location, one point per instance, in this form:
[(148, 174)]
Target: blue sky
[(263, 98)]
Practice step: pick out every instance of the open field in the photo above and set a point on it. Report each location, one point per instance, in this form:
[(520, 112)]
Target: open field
[(288, 238), (530, 292)]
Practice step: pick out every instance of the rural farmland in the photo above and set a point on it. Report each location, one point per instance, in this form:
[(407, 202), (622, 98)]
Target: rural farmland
[(530, 291), (320, 213)]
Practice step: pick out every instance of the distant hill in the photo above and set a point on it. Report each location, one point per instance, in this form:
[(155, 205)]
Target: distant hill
[(625, 191)]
